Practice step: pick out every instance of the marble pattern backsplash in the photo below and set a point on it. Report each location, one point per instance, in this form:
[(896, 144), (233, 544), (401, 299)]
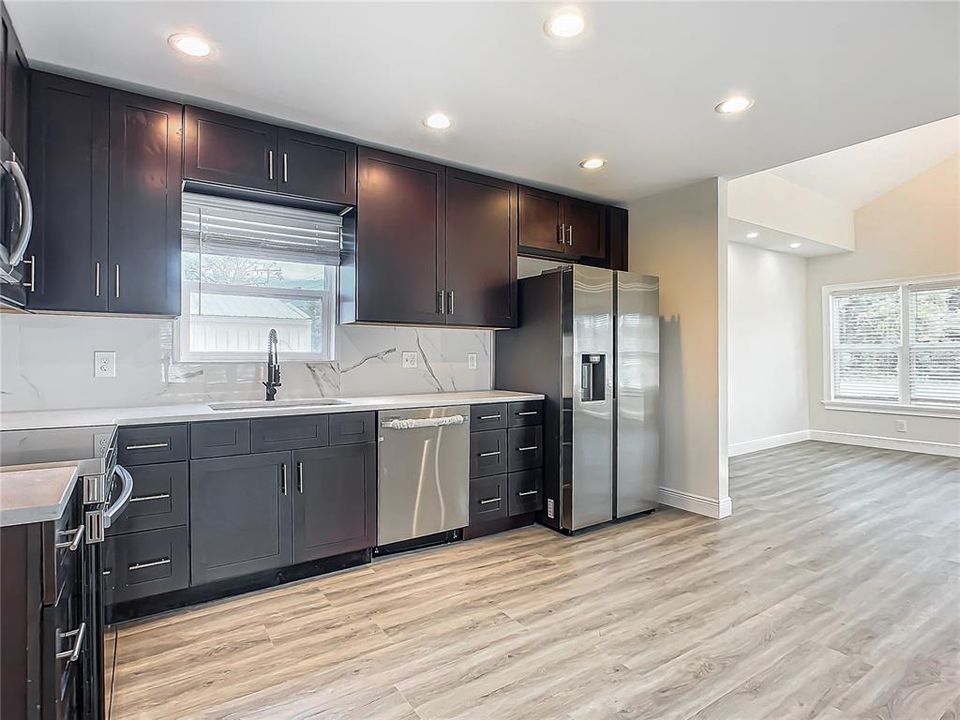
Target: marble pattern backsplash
[(46, 363)]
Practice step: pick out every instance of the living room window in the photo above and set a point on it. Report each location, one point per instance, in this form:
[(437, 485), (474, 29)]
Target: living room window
[(249, 267), (893, 345)]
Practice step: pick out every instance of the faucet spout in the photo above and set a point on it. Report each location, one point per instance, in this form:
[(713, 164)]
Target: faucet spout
[(273, 366)]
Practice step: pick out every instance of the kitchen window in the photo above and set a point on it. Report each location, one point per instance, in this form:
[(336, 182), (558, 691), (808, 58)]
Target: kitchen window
[(893, 346), (250, 267)]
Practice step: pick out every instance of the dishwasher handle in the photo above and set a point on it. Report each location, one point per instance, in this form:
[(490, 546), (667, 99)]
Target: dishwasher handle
[(415, 423)]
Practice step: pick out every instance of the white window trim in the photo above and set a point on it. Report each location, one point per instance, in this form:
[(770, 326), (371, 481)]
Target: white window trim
[(875, 406), (181, 340)]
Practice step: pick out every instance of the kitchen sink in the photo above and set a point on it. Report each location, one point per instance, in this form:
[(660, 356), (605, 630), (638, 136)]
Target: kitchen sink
[(264, 404)]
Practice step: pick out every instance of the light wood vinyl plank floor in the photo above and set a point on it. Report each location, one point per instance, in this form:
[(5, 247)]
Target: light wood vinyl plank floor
[(833, 593)]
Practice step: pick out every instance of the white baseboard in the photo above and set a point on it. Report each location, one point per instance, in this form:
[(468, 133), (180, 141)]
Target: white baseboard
[(887, 443), (768, 442), (696, 503)]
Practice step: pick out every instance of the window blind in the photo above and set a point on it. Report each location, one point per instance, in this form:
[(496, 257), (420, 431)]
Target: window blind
[(224, 226), (866, 342), (934, 375)]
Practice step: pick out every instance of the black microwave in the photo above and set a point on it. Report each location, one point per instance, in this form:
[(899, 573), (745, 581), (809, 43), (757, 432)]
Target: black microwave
[(16, 223)]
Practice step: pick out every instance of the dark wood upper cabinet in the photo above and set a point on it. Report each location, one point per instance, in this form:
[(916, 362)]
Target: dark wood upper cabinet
[(617, 237), (229, 150), (334, 502), (317, 167), (541, 215), (481, 250), (69, 157), (14, 88), (584, 223), (144, 208), (399, 262)]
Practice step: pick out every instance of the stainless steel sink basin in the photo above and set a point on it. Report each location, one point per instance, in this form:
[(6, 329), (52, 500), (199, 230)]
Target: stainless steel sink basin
[(258, 404)]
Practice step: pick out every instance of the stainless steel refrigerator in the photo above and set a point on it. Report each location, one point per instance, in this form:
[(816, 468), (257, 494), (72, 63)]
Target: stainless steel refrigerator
[(589, 340)]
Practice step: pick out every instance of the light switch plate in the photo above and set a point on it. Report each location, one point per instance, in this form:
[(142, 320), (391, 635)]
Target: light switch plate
[(105, 363), (900, 425), (408, 359), (471, 361)]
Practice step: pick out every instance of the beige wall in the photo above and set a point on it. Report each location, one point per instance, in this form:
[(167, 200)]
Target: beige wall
[(912, 231), (680, 236)]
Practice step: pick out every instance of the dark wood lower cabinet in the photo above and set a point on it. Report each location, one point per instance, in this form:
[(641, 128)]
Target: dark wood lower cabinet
[(241, 510), (334, 506)]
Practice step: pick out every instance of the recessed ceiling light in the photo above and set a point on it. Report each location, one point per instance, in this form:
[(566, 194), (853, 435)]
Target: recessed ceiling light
[(565, 23), (735, 104), (437, 121), (192, 45), (593, 163), (794, 246), (752, 235)]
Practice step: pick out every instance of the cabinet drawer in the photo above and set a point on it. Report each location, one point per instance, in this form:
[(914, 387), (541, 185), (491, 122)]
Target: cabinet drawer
[(289, 433), (147, 563), (488, 453), (352, 428), (526, 448), (63, 542), (219, 438), (488, 498), (524, 491), (528, 412), (160, 499), (150, 444), (488, 417)]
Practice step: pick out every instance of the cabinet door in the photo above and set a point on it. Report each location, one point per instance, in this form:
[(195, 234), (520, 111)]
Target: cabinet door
[(229, 150), (585, 223), (334, 506), (240, 515), (540, 218), (481, 250), (69, 153), (144, 247), (317, 167), (400, 243), (14, 89)]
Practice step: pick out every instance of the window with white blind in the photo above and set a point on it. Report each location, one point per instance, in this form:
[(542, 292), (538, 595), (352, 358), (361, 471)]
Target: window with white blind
[(896, 344), (250, 267)]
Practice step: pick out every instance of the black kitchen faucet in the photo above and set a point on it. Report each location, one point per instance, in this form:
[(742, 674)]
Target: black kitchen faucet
[(273, 366)]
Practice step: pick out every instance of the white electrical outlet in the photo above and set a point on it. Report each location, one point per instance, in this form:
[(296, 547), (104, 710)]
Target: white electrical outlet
[(900, 425), (471, 361), (105, 363), (101, 442), (408, 359)]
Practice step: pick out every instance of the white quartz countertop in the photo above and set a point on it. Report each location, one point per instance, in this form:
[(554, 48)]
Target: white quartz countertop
[(30, 494), (155, 414)]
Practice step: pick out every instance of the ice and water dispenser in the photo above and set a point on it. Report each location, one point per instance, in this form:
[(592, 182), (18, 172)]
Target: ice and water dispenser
[(593, 377)]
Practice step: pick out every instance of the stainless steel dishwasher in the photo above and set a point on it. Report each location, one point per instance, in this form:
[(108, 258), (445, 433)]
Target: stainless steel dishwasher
[(423, 484)]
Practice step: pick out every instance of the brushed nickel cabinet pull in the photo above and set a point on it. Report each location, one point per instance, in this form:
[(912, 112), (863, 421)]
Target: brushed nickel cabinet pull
[(450, 302), (527, 449), (149, 564), (74, 542), (73, 653), (527, 493), (145, 498), (283, 478), (441, 302), (525, 413), (489, 500), (489, 417), (562, 238), (117, 283), (570, 235), (148, 446), (32, 285), (269, 164), (489, 454), (97, 281), (284, 167), (300, 478)]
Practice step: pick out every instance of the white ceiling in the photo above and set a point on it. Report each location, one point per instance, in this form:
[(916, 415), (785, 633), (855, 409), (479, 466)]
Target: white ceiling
[(855, 175), (777, 240), (638, 87)]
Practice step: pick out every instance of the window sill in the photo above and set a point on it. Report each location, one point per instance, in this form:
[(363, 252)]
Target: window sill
[(893, 409)]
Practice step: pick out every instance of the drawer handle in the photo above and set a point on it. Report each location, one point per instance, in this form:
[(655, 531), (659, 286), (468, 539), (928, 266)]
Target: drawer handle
[(73, 653), (148, 446), (299, 471), (526, 493), (149, 564), (489, 454), (489, 417), (489, 500), (145, 498), (74, 542), (527, 449), (525, 413)]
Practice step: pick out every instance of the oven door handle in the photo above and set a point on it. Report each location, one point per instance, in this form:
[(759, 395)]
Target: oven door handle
[(14, 256), (116, 510)]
